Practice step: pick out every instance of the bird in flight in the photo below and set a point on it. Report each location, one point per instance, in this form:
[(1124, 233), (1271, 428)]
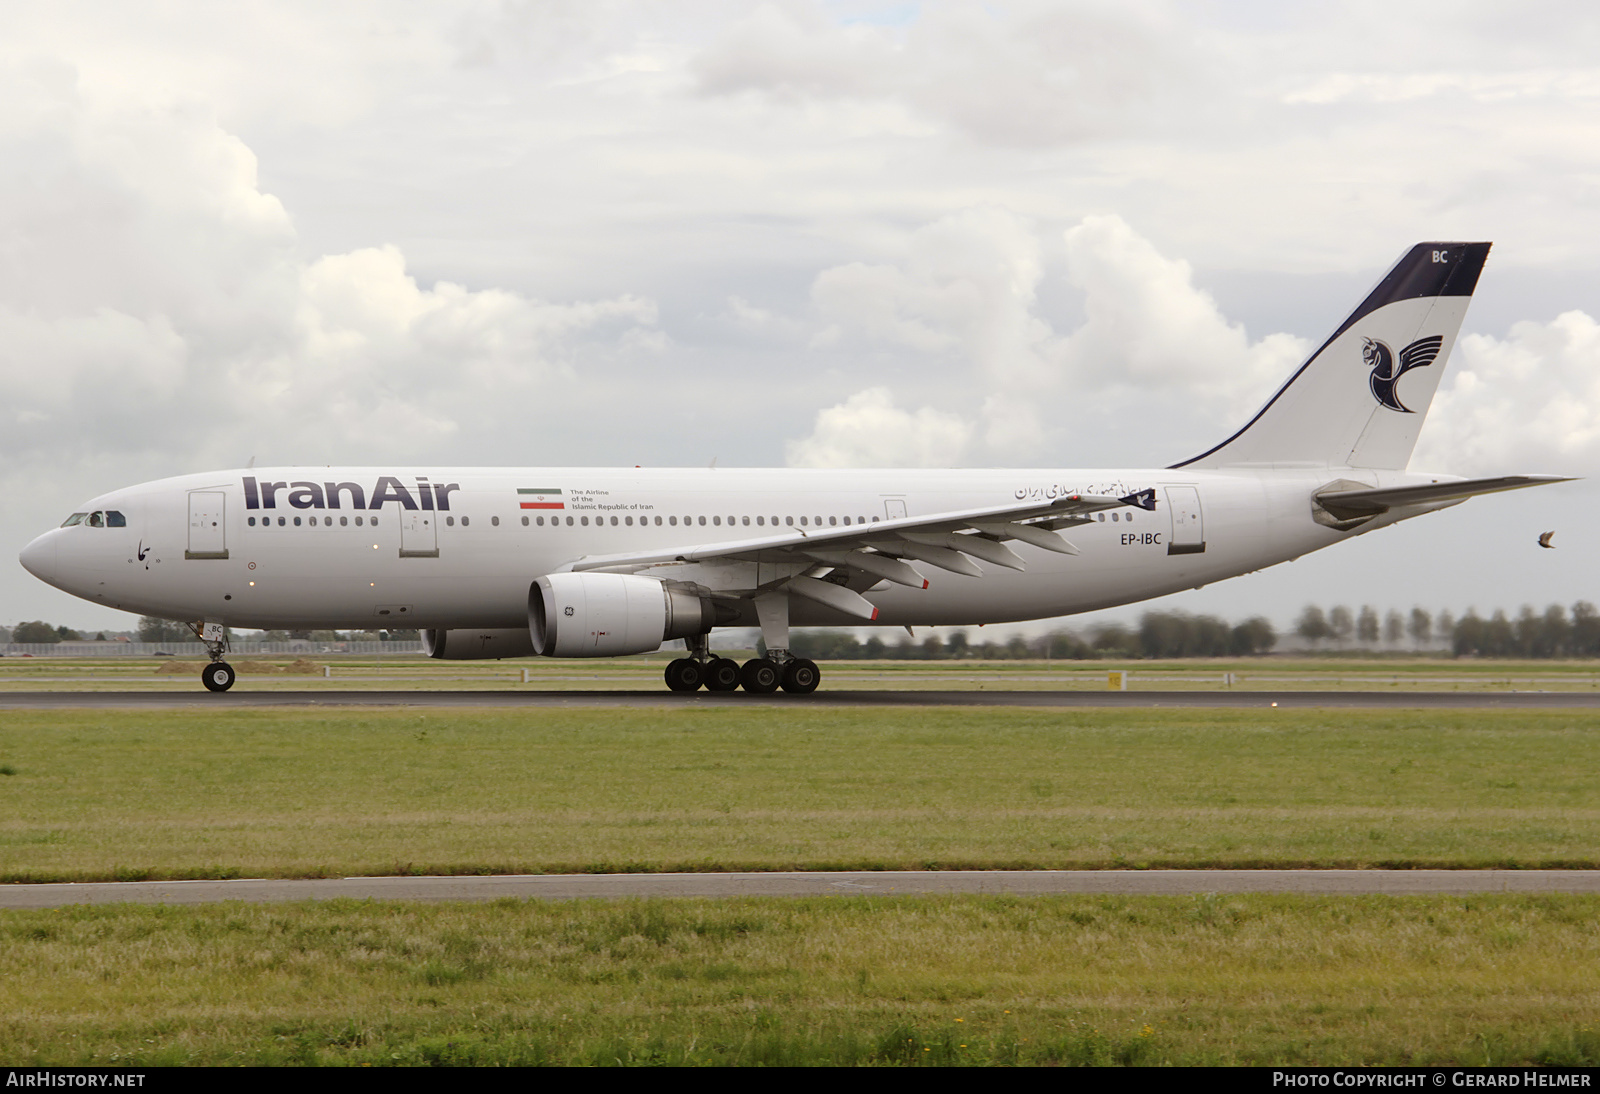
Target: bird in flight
[(1544, 540)]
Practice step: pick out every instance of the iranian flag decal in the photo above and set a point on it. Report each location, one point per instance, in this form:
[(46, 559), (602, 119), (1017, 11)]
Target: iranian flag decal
[(540, 497)]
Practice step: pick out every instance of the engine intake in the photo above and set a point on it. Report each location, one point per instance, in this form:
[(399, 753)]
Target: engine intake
[(609, 615)]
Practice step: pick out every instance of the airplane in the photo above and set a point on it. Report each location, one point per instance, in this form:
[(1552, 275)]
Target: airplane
[(604, 562)]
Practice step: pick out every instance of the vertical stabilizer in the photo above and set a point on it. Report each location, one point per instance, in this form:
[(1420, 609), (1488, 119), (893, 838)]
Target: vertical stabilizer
[(1359, 400)]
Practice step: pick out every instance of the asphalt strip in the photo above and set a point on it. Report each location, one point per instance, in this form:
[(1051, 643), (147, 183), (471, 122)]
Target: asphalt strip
[(886, 883), (1289, 700)]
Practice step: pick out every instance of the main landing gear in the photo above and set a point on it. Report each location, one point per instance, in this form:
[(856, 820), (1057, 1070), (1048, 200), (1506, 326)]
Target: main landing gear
[(219, 675), (763, 675)]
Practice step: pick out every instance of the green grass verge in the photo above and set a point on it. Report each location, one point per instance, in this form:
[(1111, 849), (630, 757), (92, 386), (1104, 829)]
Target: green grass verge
[(847, 980), (171, 794)]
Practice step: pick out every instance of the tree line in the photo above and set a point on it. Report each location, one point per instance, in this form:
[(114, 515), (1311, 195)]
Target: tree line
[(1555, 632), (1159, 634)]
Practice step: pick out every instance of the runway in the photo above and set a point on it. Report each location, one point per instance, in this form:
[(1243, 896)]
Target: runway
[(1084, 700), (884, 884)]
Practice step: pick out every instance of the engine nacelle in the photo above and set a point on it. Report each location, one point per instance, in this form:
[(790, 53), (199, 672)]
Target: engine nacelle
[(609, 615), (470, 645)]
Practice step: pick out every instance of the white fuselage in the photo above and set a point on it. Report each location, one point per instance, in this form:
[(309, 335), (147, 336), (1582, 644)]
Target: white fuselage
[(452, 548)]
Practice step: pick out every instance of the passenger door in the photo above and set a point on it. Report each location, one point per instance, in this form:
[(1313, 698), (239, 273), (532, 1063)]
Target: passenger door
[(208, 526), (1188, 525)]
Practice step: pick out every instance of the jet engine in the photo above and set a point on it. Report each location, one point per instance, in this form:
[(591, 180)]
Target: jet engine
[(609, 615), (470, 645)]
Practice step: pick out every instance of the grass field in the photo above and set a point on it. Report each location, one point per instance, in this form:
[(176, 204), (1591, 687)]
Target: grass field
[(962, 980), (414, 672), (850, 980), (308, 793)]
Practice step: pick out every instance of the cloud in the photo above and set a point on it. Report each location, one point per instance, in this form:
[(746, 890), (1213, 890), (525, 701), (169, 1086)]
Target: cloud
[(967, 286), (1040, 74), (1149, 325), (868, 430), (156, 301), (1527, 402), (966, 291)]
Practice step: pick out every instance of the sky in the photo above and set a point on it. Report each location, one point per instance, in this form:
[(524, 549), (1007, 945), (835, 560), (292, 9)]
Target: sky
[(601, 233)]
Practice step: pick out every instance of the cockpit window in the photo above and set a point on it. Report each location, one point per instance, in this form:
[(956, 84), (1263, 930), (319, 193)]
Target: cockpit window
[(115, 519), (97, 520), (76, 518)]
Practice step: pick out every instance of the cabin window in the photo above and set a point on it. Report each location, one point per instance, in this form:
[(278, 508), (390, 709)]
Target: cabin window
[(585, 521), (613, 522), (746, 521), (1113, 517), (450, 522), (717, 521), (495, 521), (847, 522), (802, 522), (833, 521), (702, 522), (465, 521), (344, 522), (628, 521), (790, 520), (297, 522), (761, 520), (524, 522)]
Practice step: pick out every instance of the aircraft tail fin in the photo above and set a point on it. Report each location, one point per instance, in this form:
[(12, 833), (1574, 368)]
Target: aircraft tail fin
[(1360, 399)]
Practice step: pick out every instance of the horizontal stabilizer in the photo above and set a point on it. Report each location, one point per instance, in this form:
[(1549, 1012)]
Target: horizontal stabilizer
[(1352, 504)]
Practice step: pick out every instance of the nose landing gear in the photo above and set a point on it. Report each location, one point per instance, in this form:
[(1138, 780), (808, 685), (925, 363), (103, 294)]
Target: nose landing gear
[(219, 675)]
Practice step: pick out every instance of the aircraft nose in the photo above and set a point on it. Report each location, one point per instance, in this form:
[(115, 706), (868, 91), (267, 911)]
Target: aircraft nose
[(39, 558)]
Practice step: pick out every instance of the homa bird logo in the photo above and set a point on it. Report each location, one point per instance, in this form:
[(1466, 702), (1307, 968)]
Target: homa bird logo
[(1380, 359)]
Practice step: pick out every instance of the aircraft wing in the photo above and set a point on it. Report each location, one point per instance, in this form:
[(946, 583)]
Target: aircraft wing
[(1350, 504), (885, 549)]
